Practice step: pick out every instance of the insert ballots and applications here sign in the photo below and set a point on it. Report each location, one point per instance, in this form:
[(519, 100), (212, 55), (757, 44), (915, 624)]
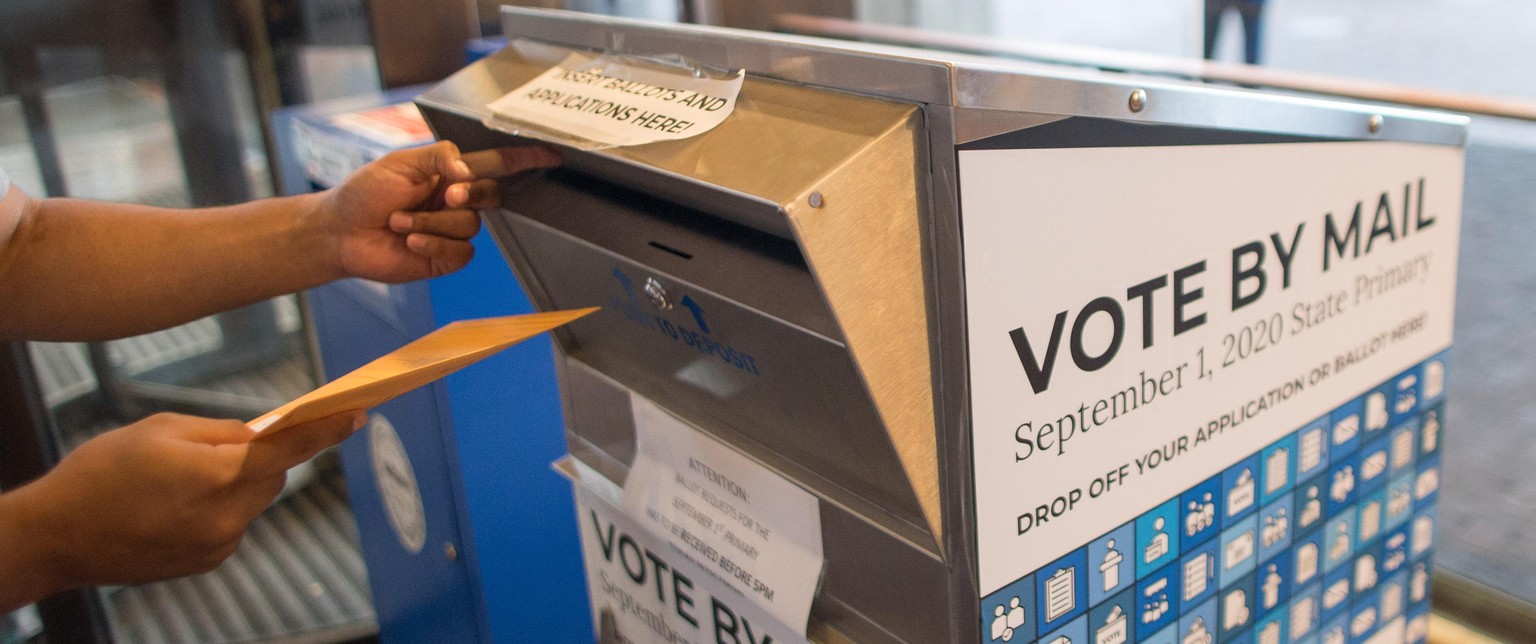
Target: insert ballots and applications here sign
[(1206, 387)]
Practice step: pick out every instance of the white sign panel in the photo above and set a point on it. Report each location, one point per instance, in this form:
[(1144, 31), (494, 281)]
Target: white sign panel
[(753, 529), (1142, 319), (644, 590), (612, 101)]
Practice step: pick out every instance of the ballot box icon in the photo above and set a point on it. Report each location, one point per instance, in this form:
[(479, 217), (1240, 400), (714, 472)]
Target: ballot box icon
[(1198, 633), (1336, 594), (1114, 630), (1373, 465), (1241, 496)]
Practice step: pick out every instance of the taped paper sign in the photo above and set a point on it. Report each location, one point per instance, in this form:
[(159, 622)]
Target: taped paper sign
[(594, 102), (430, 357), (754, 530)]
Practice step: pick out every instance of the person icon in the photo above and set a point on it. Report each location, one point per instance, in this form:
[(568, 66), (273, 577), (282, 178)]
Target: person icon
[(1252, 14), (1110, 568), (1000, 630), (1276, 527), (1198, 633), (1312, 510), (1208, 511), (1192, 524), (1271, 588), (1015, 614), (1375, 411), (1158, 546)]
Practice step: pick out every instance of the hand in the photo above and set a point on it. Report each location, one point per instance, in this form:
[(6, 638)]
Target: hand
[(165, 497), (410, 214)]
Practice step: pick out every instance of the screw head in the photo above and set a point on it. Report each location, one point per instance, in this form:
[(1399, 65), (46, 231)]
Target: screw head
[(1138, 100), (1375, 123), (816, 200), (658, 294)]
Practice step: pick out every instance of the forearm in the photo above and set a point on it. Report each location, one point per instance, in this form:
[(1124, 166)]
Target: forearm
[(84, 270), (27, 572)]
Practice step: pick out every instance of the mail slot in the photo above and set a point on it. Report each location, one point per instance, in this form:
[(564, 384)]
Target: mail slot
[(949, 296)]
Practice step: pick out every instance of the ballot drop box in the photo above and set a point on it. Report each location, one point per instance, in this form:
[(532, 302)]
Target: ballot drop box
[(906, 346)]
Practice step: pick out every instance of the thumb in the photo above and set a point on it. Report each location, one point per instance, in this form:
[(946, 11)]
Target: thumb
[(438, 159), (275, 452)]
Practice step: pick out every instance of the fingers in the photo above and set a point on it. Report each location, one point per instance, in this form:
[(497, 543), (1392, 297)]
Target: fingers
[(502, 162), (438, 159), (201, 430), (272, 453), (481, 193), (446, 255), (454, 224)]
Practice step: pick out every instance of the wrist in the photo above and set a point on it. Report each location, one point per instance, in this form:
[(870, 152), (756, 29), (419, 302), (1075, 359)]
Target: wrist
[(31, 557), (318, 233)]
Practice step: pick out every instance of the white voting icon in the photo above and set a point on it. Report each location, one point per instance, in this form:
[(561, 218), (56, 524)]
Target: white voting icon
[(1423, 534), (1375, 411), (1335, 594), (1397, 554), (1362, 622), (1201, 515), (1276, 527), (1198, 633), (1343, 484), (1158, 545), (1347, 427), (1338, 542), (1156, 604), (1417, 629), (1110, 567), (1391, 601), (1427, 483), (1312, 510), (1374, 464), (1402, 450), (1238, 550), (1277, 470), (1365, 573), (1006, 621), (1406, 396), (1236, 613), (1399, 502), (1311, 450), (1303, 616), (1306, 562), (1270, 634), (1334, 635), (1434, 379), (1370, 520), (1059, 593), (1115, 629), (1198, 573), (1418, 584), (1241, 496), (1431, 432), (1269, 594)]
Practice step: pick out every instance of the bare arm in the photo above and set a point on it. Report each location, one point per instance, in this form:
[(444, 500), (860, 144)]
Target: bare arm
[(81, 270)]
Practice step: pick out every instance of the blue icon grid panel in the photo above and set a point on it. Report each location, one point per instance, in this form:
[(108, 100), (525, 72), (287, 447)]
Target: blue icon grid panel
[(1327, 534)]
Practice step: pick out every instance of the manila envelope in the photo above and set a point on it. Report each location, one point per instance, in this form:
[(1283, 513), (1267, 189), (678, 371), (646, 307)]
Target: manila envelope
[(433, 356)]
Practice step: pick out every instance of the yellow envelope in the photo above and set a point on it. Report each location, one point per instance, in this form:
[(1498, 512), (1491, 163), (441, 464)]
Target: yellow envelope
[(433, 356)]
